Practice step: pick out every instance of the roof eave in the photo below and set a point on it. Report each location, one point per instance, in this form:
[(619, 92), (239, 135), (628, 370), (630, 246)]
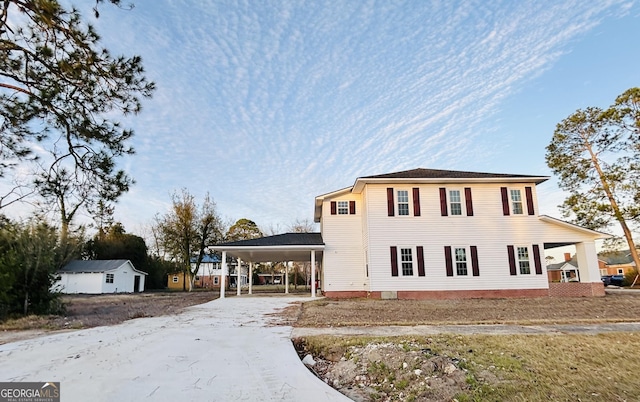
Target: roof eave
[(595, 233), (361, 182)]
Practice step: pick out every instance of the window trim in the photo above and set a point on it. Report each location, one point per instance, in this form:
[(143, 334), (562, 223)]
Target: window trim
[(342, 207), (216, 280), (512, 202), (460, 202), (519, 260), (455, 260), (109, 278), (399, 203), (401, 261)]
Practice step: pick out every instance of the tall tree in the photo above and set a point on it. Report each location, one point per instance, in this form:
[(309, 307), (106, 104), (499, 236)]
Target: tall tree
[(243, 229), (30, 254), (186, 231), (596, 155), (60, 91)]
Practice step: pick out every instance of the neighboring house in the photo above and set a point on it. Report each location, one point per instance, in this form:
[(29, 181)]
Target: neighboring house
[(620, 269), (208, 275), (563, 272), (99, 276), (427, 233)]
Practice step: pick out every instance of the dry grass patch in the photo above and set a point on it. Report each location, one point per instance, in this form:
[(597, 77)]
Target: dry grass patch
[(86, 311), (543, 310), (480, 367)]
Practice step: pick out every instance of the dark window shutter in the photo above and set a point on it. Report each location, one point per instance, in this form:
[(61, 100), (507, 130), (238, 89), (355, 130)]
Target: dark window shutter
[(394, 261), (512, 260), (469, 201), (536, 259), (352, 207), (420, 252), (448, 261), (390, 209), (505, 201), (334, 208), (474, 261), (416, 201), (443, 201), (529, 194)]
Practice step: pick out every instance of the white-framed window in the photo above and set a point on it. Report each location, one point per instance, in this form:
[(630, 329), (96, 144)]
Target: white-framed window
[(455, 202), (343, 207), (515, 195), (403, 202), (522, 255), (620, 271), (175, 279), (109, 278), (603, 272), (406, 261), (216, 280), (460, 254)]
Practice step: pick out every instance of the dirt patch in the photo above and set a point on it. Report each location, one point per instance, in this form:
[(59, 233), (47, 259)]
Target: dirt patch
[(396, 370), (547, 310), (86, 311)]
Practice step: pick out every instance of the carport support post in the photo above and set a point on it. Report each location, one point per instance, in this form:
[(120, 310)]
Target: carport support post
[(238, 270), (224, 273), (286, 277), (250, 276), (587, 262), (313, 273)]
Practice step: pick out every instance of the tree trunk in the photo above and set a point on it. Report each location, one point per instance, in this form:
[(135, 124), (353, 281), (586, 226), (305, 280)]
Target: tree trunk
[(614, 205), (26, 303)]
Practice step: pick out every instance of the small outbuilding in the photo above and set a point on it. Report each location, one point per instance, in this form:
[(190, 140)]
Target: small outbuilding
[(99, 276)]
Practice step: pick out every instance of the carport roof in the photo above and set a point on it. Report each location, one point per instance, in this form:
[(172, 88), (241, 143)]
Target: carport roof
[(282, 247)]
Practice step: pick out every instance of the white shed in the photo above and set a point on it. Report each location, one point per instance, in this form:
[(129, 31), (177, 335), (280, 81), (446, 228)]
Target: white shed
[(99, 276)]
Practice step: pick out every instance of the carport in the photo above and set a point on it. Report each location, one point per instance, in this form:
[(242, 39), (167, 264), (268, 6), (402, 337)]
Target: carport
[(283, 247)]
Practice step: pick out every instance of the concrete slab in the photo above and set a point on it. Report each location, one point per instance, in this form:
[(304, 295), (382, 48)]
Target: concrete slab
[(223, 350)]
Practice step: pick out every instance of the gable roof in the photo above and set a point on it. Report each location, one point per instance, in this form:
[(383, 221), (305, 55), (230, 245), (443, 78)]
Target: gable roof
[(561, 265), (95, 266)]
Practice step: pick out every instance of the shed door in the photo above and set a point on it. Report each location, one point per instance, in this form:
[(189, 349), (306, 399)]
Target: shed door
[(136, 283)]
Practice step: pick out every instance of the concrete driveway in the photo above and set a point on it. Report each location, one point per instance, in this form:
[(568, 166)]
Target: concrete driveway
[(219, 351)]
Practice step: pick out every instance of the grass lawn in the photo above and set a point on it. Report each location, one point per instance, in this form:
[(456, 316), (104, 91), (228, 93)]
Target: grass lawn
[(494, 367), (568, 367)]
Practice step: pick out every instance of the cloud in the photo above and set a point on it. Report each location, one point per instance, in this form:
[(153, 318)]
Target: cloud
[(266, 105)]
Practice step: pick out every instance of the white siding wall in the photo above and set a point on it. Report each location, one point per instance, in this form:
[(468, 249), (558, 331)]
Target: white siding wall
[(343, 257), (488, 230), (80, 283)]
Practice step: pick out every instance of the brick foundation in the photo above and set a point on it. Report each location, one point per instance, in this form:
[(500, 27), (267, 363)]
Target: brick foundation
[(576, 289), (566, 289)]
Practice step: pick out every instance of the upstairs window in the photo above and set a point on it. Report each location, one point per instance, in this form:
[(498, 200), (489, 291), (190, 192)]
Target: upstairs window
[(406, 261), (461, 261), (343, 207), (455, 202), (523, 260), (403, 202), (109, 278), (516, 202)]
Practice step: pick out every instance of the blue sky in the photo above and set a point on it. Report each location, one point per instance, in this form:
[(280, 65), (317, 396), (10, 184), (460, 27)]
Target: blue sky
[(267, 104)]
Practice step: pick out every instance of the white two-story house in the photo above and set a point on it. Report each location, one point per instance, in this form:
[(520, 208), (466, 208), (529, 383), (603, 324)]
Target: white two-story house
[(427, 233)]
